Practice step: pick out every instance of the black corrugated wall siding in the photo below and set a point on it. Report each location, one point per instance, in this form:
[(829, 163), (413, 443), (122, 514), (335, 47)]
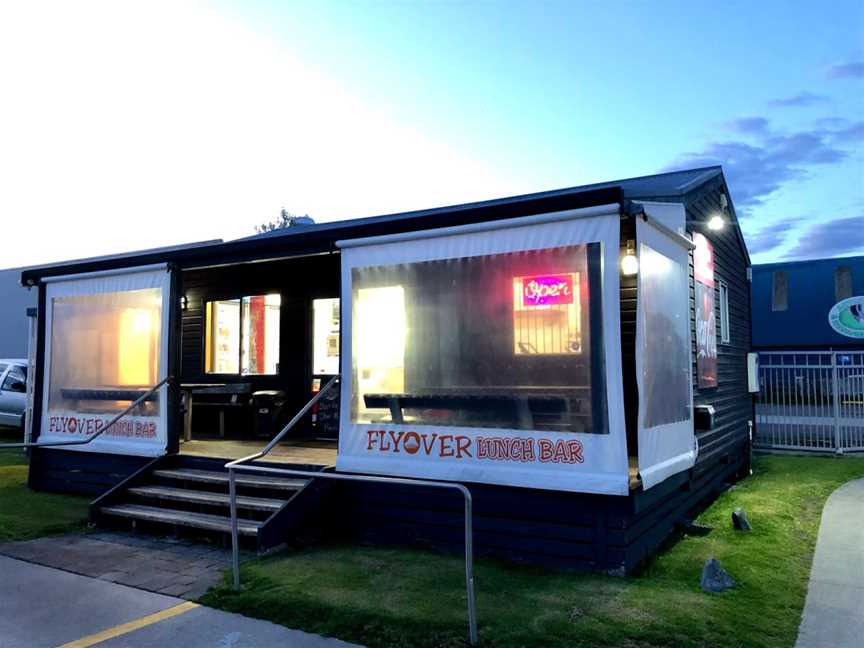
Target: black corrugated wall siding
[(732, 403)]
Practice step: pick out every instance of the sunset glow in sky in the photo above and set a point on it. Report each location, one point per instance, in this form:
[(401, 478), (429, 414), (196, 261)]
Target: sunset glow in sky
[(132, 125)]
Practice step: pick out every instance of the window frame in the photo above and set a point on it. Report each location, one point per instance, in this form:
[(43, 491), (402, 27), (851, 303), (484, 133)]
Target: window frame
[(311, 325), (725, 319), (591, 312), (776, 305), (239, 297), (838, 272)]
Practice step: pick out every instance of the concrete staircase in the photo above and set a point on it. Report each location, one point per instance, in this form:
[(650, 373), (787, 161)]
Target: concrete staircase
[(177, 494)]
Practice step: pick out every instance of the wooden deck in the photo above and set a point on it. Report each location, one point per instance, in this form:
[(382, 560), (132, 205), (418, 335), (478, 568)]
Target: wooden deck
[(298, 452)]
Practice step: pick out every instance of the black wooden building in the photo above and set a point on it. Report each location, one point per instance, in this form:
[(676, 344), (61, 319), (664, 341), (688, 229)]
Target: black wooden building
[(443, 325)]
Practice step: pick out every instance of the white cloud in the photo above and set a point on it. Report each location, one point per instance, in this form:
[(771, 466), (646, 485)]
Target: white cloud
[(125, 126)]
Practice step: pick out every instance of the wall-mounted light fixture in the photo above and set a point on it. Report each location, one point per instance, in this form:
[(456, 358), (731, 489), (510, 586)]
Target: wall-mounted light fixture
[(716, 223), (184, 303), (629, 262), (717, 220)]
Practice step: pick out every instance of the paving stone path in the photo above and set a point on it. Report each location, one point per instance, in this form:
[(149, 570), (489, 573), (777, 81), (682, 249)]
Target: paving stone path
[(170, 566)]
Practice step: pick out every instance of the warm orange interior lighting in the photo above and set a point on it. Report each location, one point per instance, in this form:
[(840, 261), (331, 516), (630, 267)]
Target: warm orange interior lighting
[(138, 332)]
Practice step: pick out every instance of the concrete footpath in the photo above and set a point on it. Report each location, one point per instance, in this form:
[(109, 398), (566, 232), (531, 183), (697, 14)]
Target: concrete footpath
[(43, 607), (834, 613)]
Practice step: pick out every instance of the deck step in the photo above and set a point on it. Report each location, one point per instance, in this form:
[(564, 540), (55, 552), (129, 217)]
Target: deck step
[(181, 518), (217, 477), (206, 497)]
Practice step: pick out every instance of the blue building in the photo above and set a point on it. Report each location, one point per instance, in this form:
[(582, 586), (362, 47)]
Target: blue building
[(794, 302), (14, 302)]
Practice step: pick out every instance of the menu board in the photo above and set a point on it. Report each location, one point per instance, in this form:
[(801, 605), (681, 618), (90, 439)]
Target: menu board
[(327, 424)]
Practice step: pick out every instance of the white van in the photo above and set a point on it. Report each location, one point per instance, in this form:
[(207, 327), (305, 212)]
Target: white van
[(13, 392)]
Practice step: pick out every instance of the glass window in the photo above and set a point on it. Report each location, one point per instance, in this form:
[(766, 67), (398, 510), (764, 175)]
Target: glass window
[(666, 369), (242, 335), (499, 341), (546, 314), (325, 338), (222, 346), (842, 283), (780, 292), (724, 313), (259, 349), (102, 347)]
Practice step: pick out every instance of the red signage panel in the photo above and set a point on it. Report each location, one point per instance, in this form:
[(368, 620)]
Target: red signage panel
[(706, 320), (703, 260)]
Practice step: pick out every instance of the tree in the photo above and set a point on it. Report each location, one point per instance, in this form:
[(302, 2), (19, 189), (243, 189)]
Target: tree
[(286, 219)]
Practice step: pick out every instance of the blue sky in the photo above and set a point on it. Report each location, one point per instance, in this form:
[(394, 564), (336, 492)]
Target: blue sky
[(346, 109)]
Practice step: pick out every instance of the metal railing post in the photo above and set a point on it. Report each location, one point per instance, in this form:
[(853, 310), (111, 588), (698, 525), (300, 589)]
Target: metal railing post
[(243, 464), (402, 481), (235, 532), (469, 568), (835, 392)]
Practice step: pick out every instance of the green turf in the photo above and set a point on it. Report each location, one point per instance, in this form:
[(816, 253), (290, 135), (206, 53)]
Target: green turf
[(25, 514), (400, 597)]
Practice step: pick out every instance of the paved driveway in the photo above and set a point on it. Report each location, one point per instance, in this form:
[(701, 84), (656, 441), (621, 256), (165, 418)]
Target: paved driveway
[(42, 607)]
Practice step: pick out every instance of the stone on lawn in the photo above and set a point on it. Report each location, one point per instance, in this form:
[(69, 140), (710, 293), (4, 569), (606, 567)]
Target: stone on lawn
[(714, 577), (740, 521), (696, 529)]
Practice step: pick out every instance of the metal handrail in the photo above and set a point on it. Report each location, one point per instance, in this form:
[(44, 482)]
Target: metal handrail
[(51, 444), (466, 494), (242, 464)]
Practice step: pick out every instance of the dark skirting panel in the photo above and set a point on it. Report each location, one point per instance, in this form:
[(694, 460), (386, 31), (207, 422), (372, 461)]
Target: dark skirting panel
[(81, 473), (571, 531)]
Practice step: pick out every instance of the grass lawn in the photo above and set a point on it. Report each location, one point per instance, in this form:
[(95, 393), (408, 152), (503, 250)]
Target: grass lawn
[(25, 514), (401, 597)]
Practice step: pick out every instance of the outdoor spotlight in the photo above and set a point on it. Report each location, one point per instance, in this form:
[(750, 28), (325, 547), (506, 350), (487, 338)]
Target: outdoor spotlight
[(629, 262), (184, 303), (716, 223)]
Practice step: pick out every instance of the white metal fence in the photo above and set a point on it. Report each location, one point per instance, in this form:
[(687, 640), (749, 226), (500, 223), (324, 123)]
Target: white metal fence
[(810, 400)]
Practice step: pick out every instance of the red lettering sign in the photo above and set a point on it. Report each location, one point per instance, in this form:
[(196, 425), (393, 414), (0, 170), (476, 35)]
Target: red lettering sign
[(516, 449), (87, 426)]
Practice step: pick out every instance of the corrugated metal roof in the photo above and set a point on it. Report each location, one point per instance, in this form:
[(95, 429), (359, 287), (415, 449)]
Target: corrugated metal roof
[(121, 255), (673, 183), (320, 237)]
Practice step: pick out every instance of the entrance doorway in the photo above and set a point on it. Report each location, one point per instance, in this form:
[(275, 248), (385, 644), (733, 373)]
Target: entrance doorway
[(237, 401)]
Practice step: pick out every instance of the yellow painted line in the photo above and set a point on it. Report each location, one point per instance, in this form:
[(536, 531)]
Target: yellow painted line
[(125, 628)]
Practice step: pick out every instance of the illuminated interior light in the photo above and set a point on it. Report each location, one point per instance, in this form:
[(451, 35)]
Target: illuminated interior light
[(137, 333), (379, 338)]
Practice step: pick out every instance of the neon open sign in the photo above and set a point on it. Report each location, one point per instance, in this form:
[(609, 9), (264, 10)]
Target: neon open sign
[(547, 290)]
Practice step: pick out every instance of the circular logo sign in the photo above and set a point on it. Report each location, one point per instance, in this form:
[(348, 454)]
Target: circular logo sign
[(847, 317)]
